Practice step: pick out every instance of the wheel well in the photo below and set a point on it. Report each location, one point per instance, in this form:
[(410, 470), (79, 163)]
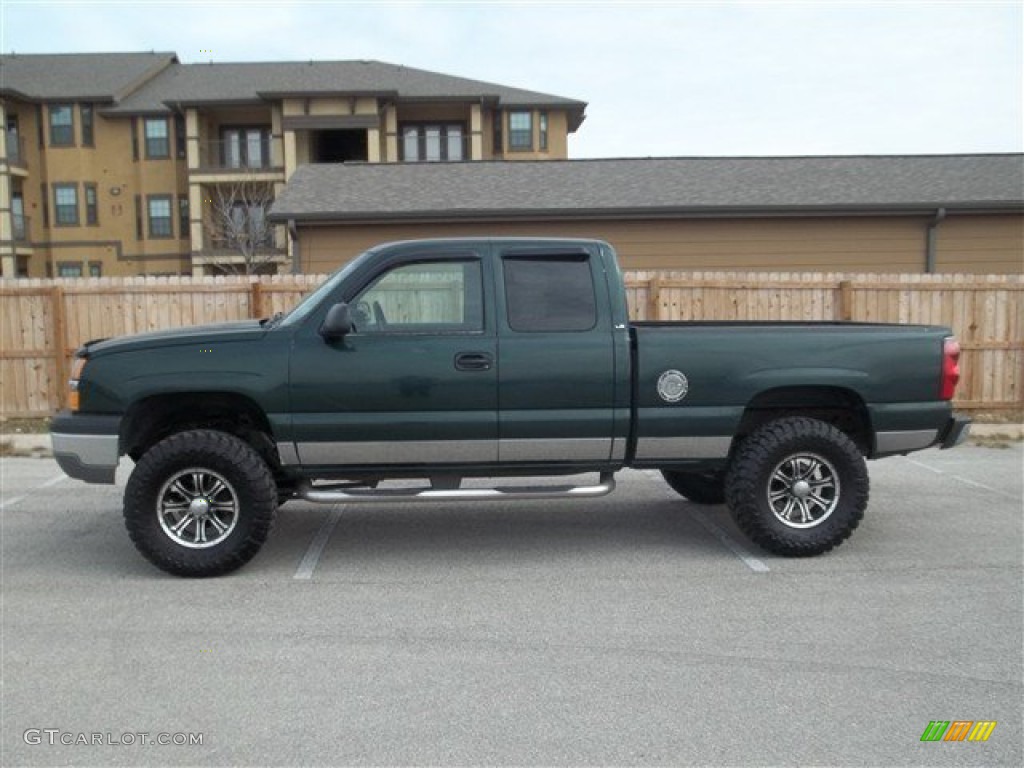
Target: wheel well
[(150, 420), (842, 408)]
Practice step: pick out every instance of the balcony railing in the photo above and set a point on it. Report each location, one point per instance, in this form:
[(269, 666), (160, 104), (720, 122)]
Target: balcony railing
[(434, 148), (246, 154), (21, 228), (15, 149)]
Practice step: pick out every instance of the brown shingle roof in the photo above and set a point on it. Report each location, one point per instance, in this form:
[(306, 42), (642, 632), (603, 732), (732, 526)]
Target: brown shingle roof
[(254, 81), (92, 76), (652, 186)]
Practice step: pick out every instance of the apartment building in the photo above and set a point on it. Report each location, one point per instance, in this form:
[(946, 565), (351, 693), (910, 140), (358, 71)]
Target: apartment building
[(134, 163)]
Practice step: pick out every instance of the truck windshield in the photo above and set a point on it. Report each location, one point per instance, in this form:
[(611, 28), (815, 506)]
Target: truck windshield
[(301, 310)]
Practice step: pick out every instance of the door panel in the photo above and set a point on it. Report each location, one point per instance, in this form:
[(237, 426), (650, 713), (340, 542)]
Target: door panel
[(414, 384), (556, 360)]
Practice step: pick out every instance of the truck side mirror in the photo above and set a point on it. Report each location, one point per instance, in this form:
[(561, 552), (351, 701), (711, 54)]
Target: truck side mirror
[(338, 322)]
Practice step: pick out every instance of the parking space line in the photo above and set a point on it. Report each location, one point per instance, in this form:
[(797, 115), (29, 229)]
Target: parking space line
[(729, 542), (719, 533), (317, 545), (47, 484), (964, 480)]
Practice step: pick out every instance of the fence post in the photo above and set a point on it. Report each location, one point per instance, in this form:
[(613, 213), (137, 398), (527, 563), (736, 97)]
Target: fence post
[(654, 298), (845, 300), (256, 299), (59, 340)]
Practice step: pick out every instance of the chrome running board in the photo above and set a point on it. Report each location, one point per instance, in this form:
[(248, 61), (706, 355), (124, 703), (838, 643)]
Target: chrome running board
[(326, 494)]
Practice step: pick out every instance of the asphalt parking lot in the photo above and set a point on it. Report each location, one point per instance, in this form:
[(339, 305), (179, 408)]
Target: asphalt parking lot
[(636, 629)]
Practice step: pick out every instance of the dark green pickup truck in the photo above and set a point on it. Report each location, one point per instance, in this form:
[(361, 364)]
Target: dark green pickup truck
[(443, 360)]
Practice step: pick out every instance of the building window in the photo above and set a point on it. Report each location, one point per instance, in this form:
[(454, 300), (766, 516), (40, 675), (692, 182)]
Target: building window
[(65, 199), (179, 136), (95, 269), (245, 226), (433, 143), (69, 269), (92, 214), (543, 125), (157, 141), (183, 223), (88, 139), (245, 148), (62, 126), (520, 131), (454, 149), (160, 223)]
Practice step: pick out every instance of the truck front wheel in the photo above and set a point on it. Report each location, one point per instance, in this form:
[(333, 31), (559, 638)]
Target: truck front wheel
[(200, 503), (797, 487)]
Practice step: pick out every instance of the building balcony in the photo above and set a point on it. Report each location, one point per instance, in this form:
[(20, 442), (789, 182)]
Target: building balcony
[(220, 258), (257, 158), (16, 153), (21, 227), (430, 146)]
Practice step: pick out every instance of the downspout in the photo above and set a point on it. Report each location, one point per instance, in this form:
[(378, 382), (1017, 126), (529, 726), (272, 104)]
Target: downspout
[(293, 235), (931, 240)]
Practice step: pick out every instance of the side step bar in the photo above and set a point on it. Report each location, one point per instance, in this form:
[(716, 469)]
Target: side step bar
[(326, 494)]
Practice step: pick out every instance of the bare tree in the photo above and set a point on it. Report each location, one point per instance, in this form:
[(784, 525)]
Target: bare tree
[(236, 223)]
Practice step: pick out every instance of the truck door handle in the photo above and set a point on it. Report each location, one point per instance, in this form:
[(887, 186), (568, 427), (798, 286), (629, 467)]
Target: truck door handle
[(473, 361)]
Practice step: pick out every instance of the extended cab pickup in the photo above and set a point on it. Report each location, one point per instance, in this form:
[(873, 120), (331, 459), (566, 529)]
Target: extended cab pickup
[(443, 360)]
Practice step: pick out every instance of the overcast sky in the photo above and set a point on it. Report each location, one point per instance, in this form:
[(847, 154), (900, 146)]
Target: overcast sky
[(660, 78)]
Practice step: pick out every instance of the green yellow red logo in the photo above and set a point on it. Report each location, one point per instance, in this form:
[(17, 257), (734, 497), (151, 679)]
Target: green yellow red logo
[(958, 730)]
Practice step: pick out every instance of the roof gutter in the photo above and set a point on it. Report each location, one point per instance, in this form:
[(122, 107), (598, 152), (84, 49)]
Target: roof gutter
[(931, 240), (692, 212)]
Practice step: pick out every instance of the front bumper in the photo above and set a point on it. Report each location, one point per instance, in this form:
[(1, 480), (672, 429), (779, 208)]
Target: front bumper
[(86, 447), (955, 432)]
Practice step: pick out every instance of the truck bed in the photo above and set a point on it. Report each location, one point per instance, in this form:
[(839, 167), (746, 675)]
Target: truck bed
[(726, 365)]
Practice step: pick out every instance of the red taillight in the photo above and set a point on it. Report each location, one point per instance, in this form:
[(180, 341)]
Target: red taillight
[(950, 368)]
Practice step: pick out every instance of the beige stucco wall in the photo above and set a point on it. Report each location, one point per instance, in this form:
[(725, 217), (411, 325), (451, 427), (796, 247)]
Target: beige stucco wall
[(868, 244), (118, 179)]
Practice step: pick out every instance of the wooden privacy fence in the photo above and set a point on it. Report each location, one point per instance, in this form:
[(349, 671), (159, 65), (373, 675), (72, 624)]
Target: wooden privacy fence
[(42, 322)]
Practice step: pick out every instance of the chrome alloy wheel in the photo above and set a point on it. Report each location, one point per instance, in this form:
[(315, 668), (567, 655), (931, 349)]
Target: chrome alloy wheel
[(197, 508), (803, 490)]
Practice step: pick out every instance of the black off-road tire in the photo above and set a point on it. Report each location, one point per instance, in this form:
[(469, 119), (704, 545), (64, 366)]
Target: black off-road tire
[(774, 452), (703, 488), (218, 458)]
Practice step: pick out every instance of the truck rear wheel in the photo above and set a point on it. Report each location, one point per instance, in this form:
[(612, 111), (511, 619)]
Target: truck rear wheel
[(797, 487), (200, 503), (706, 488)]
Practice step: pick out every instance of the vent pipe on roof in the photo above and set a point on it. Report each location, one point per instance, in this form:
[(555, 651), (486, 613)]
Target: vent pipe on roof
[(931, 239)]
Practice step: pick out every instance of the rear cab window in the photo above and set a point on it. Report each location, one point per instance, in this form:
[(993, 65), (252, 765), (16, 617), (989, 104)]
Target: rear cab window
[(549, 293)]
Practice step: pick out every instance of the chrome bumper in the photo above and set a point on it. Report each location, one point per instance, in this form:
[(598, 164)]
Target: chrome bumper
[(92, 458)]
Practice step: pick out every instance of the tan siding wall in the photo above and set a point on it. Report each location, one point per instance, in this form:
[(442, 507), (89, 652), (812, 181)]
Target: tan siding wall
[(815, 244), (110, 166), (981, 244)]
